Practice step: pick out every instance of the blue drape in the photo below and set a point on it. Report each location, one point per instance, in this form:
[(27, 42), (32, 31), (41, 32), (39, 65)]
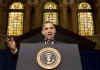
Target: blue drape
[(6, 61), (90, 60)]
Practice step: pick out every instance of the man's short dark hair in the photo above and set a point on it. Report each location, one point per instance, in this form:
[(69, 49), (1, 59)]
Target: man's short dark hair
[(47, 23)]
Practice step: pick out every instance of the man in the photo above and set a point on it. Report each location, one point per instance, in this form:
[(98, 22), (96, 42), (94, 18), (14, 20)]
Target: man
[(48, 31)]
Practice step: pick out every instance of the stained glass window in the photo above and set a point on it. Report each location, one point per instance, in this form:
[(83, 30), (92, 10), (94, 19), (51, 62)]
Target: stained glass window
[(16, 5), (50, 5), (84, 5), (15, 19), (50, 13), (85, 20)]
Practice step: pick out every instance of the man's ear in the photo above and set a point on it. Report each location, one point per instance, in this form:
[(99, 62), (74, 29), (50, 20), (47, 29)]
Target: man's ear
[(55, 31), (42, 32)]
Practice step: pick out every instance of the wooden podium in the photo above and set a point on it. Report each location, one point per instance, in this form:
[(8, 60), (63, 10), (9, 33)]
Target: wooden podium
[(70, 57)]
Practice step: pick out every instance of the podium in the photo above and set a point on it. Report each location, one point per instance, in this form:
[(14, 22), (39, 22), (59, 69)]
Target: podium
[(70, 57)]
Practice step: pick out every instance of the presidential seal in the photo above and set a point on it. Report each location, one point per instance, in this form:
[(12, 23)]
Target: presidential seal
[(48, 58)]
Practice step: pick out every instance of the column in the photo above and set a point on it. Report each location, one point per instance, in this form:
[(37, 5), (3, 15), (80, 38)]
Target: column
[(74, 18), (37, 16), (27, 18), (63, 16)]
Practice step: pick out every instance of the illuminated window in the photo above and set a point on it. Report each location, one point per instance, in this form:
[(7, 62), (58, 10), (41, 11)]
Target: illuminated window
[(85, 20), (50, 13), (15, 19)]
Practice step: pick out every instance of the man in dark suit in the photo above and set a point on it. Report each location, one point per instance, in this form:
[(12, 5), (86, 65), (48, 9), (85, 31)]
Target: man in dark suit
[(69, 52), (48, 31)]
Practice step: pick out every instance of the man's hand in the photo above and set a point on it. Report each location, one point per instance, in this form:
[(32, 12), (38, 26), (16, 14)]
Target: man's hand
[(12, 44)]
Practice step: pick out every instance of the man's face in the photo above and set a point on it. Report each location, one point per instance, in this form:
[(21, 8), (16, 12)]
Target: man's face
[(49, 31)]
